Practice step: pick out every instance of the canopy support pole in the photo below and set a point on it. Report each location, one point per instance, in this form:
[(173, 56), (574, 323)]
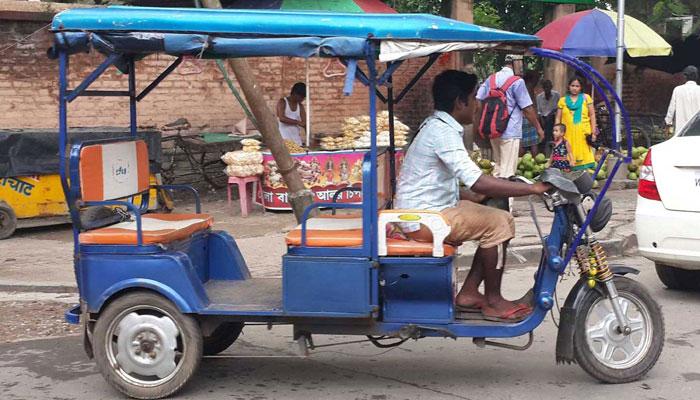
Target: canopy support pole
[(108, 62), (619, 60), (392, 144), (159, 79), (63, 65), (132, 96), (373, 212), (419, 74)]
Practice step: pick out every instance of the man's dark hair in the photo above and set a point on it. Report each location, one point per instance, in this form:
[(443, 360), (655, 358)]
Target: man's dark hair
[(299, 89), (690, 73), (560, 126), (451, 85), (547, 83)]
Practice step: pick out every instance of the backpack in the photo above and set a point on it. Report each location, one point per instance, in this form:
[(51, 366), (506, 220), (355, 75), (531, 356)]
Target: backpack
[(495, 114)]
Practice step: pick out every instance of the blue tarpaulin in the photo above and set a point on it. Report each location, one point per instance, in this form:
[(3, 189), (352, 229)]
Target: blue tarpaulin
[(254, 33)]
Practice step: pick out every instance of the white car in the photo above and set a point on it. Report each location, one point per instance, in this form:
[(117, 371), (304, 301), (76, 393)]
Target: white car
[(668, 208)]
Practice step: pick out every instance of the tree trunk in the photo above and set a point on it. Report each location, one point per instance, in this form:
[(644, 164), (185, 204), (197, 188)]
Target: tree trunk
[(299, 197)]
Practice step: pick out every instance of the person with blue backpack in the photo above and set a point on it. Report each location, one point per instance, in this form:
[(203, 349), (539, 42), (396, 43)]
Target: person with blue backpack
[(503, 101)]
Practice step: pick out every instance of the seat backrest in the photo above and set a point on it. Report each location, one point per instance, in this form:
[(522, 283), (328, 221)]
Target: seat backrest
[(113, 170)]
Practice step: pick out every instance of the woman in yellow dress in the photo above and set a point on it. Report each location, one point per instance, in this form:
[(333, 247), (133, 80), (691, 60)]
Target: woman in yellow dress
[(576, 111)]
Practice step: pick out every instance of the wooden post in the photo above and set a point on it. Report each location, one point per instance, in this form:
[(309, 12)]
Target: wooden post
[(299, 196), (557, 71), (463, 10)]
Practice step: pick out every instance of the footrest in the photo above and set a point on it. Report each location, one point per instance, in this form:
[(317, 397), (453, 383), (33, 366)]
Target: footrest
[(72, 316)]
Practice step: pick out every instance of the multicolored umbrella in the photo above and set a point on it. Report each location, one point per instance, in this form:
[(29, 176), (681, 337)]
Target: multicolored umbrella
[(593, 33), (350, 6)]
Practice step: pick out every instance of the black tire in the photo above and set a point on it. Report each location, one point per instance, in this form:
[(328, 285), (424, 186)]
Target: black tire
[(678, 279), (8, 221), (645, 360), (222, 338), (189, 344)]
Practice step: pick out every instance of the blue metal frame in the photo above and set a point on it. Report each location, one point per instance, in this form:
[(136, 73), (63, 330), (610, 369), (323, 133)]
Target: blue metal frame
[(551, 265)]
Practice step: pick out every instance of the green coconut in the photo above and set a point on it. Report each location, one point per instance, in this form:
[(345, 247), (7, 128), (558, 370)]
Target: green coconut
[(541, 158), (632, 176)]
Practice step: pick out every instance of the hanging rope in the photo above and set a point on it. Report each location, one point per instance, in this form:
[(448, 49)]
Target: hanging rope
[(17, 43)]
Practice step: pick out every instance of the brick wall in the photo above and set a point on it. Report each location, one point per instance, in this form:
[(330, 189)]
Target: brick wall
[(28, 89)]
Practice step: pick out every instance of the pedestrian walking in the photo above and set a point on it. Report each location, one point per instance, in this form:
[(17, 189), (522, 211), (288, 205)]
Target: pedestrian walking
[(504, 89), (576, 112), (547, 111), (685, 101)]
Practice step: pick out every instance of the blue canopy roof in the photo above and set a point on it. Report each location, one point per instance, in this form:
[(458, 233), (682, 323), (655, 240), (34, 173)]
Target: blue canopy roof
[(234, 33)]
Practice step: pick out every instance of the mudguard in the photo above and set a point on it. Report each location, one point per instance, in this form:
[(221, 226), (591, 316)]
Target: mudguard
[(567, 319)]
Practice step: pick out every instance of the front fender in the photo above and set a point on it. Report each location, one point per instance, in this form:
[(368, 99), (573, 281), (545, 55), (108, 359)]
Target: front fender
[(567, 319)]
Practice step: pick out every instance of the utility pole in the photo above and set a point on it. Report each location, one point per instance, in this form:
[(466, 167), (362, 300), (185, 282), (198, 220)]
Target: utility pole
[(299, 196), (619, 60)]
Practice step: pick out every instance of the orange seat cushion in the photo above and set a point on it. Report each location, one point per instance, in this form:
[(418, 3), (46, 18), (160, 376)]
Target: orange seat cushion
[(156, 228), (346, 231)]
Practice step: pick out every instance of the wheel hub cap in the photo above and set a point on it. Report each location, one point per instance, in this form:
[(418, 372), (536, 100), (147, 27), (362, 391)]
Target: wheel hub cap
[(608, 343), (146, 345)]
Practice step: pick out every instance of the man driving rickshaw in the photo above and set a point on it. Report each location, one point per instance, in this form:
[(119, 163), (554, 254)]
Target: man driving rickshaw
[(434, 162)]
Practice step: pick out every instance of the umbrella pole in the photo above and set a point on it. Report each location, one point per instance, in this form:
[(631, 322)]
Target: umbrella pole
[(618, 67)]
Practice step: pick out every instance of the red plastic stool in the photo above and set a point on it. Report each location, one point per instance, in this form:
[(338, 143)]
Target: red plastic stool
[(242, 184)]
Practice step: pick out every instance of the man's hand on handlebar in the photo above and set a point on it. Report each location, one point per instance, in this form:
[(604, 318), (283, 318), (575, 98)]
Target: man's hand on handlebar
[(540, 187)]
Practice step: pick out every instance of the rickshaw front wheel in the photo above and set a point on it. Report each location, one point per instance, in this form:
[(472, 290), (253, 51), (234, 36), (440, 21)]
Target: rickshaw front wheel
[(605, 352), (145, 347), (8, 221)]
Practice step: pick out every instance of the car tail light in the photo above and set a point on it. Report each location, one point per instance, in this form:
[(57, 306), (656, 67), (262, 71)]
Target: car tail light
[(647, 183)]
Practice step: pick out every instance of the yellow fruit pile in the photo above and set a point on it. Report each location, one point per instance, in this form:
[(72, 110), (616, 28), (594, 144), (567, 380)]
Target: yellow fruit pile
[(357, 134), (293, 147)]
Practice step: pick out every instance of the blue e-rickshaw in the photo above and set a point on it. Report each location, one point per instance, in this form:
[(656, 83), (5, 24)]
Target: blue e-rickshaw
[(159, 291)]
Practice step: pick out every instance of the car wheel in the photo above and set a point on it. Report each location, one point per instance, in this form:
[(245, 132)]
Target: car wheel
[(677, 278), (8, 221)]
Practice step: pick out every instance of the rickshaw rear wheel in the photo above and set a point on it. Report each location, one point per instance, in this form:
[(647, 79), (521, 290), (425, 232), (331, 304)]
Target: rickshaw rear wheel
[(145, 347), (602, 350), (8, 221), (222, 337)]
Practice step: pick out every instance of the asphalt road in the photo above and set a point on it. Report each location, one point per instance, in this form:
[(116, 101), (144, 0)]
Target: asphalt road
[(263, 365)]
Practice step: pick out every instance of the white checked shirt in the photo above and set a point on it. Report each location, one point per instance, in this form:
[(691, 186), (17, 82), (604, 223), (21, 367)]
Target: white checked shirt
[(434, 165)]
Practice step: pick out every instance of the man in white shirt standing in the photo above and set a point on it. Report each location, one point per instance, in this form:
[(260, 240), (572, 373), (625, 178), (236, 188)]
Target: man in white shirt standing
[(435, 164), (547, 110), (685, 101)]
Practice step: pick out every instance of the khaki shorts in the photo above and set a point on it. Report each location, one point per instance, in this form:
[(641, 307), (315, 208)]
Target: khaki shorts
[(471, 221)]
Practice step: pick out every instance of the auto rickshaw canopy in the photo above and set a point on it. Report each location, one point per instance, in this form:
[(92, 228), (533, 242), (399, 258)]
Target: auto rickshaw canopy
[(216, 33)]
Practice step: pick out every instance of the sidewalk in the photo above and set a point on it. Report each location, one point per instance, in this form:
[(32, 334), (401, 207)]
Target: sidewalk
[(40, 259)]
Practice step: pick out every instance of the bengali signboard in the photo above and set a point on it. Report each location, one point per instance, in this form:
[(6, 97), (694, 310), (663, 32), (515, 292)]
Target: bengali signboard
[(323, 172)]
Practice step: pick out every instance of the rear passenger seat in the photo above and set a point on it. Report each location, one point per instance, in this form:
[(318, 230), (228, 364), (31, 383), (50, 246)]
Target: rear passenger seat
[(346, 231)]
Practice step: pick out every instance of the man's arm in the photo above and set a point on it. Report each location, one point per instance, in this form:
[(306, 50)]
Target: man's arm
[(524, 101), (282, 117), (671, 109), (302, 114), (594, 123), (495, 187), (531, 115), (476, 121)]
